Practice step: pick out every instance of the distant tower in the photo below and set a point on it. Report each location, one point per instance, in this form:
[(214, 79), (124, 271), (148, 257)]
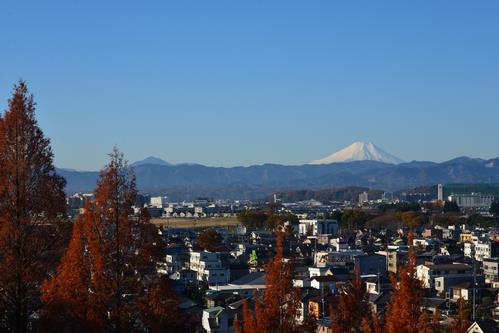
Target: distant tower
[(440, 195), (275, 198)]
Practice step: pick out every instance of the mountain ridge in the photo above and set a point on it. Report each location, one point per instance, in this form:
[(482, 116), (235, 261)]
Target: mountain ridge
[(189, 181)]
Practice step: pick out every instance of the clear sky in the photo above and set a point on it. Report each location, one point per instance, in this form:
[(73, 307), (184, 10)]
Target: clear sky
[(228, 83)]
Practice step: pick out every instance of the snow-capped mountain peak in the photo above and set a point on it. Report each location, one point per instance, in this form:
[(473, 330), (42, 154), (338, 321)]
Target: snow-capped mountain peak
[(359, 151)]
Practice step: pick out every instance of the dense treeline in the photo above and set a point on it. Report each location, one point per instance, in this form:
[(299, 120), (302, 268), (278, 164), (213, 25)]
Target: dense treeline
[(268, 219)]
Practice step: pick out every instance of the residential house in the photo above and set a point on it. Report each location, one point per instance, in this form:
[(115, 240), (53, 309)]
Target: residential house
[(218, 320), (491, 269), (427, 273)]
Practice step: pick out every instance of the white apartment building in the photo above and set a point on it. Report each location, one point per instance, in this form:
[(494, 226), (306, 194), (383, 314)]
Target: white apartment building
[(472, 200), (428, 272), (159, 202), (480, 247), (208, 267), (317, 227)]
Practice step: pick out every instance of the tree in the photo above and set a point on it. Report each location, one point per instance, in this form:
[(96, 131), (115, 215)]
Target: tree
[(412, 219), (461, 321), (74, 297), (99, 284), (114, 197), (253, 218), (353, 307), (31, 206), (210, 240), (354, 218), (278, 307), (494, 208), (403, 313), (158, 310), (451, 206)]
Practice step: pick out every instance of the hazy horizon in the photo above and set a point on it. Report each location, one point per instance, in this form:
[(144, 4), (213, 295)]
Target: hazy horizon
[(238, 84)]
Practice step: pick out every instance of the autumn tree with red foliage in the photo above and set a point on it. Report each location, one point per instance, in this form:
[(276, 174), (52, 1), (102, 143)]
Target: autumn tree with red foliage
[(157, 309), (73, 297), (99, 284), (461, 321), (32, 203), (114, 197), (403, 312), (277, 308), (352, 309), (209, 240)]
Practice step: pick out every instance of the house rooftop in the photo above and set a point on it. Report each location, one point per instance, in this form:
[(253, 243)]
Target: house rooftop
[(251, 278)]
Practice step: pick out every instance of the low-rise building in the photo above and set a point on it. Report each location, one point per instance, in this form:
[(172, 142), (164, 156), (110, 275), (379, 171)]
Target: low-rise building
[(370, 264), (491, 269), (218, 320), (427, 273)]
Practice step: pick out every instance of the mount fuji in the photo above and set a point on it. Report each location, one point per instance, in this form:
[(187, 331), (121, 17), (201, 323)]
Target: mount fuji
[(359, 151)]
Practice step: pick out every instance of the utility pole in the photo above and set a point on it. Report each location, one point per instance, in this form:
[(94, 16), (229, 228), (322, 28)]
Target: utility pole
[(474, 281)]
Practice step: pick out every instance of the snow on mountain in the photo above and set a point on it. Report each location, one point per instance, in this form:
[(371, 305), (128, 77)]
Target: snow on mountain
[(359, 151)]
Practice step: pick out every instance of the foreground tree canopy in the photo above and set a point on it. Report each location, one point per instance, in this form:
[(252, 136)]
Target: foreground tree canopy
[(103, 281), (32, 205)]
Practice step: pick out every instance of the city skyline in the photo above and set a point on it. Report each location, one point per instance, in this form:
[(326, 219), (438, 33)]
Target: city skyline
[(225, 84)]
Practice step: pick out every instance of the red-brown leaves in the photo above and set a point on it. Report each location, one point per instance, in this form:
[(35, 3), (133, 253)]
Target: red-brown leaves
[(31, 204), (352, 307), (277, 309)]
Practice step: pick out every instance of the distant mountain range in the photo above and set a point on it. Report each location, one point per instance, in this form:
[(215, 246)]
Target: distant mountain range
[(187, 181)]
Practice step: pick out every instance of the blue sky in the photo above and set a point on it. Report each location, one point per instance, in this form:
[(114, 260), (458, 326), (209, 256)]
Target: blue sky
[(228, 83)]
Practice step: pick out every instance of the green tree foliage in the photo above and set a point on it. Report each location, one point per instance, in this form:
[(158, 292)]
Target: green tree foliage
[(251, 218), (354, 218), (494, 208), (401, 207), (450, 206), (482, 221), (268, 219)]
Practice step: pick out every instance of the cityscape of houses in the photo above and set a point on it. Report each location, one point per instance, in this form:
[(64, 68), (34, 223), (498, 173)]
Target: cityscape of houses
[(457, 253)]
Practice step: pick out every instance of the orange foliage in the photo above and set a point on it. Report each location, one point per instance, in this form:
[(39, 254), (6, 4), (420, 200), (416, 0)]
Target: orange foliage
[(461, 322), (31, 204), (402, 313), (352, 307), (74, 298), (277, 309)]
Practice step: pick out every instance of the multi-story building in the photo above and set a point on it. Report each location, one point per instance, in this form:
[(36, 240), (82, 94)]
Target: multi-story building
[(208, 267), (472, 200), (491, 269), (427, 273), (318, 227), (363, 197), (395, 259), (159, 202), (480, 248)]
